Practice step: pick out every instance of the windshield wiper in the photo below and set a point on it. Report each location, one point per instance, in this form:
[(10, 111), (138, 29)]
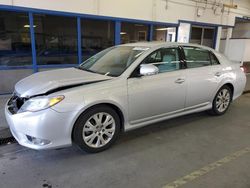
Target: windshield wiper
[(81, 68), (84, 69)]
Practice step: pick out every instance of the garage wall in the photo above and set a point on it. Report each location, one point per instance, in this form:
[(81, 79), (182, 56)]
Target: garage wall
[(153, 10), (10, 77), (237, 49), (241, 30), (149, 12)]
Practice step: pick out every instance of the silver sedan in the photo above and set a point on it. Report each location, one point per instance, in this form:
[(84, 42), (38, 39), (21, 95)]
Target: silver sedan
[(120, 89)]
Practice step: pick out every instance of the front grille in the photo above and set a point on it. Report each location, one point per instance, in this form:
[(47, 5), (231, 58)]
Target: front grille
[(15, 103)]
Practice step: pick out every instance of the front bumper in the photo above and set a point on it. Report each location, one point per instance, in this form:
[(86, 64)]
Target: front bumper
[(48, 124)]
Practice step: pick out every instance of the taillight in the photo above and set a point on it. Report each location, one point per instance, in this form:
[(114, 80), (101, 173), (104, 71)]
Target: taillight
[(243, 69)]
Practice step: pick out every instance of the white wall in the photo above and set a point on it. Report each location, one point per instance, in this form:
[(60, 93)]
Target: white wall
[(184, 32), (237, 49), (154, 10), (246, 57)]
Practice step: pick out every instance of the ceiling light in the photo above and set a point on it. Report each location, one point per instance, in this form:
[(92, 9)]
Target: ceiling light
[(28, 26), (123, 33), (162, 29)]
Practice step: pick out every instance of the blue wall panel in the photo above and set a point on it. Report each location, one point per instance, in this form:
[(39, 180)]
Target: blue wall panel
[(117, 32), (79, 40), (33, 42)]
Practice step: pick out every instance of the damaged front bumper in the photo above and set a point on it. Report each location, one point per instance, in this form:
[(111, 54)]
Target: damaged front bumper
[(44, 129)]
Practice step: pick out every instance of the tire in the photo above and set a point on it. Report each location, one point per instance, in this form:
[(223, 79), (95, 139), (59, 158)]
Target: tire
[(96, 129), (222, 101)]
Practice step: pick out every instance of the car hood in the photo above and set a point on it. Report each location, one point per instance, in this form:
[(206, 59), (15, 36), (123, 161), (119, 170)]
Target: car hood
[(43, 82)]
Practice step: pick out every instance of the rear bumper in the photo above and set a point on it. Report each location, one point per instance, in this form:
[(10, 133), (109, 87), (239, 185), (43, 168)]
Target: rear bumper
[(49, 125), (240, 85)]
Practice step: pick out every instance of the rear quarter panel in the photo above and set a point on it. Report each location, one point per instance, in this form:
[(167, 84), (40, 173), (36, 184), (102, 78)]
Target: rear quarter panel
[(232, 74)]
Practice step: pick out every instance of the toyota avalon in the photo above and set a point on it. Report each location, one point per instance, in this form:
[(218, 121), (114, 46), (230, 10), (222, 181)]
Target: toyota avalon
[(119, 89)]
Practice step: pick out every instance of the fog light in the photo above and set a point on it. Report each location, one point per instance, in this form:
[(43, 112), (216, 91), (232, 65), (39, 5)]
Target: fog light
[(37, 141)]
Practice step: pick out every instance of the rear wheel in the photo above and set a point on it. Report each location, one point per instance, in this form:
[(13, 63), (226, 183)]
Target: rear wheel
[(222, 101), (97, 129)]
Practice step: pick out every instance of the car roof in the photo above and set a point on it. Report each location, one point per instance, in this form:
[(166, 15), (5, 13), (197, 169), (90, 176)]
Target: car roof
[(158, 44)]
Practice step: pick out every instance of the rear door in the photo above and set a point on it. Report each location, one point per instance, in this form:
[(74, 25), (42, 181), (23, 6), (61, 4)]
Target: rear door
[(203, 75)]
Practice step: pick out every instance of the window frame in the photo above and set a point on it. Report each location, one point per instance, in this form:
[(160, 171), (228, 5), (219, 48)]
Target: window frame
[(209, 52), (135, 73), (215, 57)]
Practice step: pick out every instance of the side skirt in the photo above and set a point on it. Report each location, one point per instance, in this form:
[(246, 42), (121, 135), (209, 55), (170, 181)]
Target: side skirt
[(143, 122)]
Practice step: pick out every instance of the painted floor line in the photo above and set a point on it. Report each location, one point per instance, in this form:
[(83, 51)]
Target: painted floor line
[(206, 169)]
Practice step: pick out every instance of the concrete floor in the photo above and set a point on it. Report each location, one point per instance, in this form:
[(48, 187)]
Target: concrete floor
[(149, 157), (4, 131), (248, 82)]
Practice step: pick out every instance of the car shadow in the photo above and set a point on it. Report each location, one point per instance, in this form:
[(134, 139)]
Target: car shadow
[(163, 126)]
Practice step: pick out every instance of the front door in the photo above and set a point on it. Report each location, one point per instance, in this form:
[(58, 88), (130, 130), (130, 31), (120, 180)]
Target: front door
[(155, 96)]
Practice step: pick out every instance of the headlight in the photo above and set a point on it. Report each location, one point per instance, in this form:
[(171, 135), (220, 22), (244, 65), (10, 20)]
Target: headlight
[(40, 103)]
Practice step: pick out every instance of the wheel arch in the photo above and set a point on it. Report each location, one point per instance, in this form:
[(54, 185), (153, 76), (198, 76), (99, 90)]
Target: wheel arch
[(230, 85), (111, 105)]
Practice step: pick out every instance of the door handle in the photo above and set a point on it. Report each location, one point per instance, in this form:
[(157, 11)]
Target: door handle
[(218, 74), (179, 80)]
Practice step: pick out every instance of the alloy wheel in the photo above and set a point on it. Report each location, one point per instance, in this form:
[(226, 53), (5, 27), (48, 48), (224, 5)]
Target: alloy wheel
[(98, 130), (223, 100)]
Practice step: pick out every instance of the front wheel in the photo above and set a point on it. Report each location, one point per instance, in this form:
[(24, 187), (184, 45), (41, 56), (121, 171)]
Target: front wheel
[(97, 129), (222, 101)]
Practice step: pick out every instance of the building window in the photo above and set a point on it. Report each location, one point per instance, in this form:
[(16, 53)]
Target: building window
[(133, 32), (96, 36), (15, 46), (209, 39), (203, 36), (56, 39), (164, 33), (196, 35)]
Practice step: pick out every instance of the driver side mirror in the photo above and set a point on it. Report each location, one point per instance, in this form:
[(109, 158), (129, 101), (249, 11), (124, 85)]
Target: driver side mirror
[(148, 69)]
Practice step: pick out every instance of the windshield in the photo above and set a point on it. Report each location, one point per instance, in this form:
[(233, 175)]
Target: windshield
[(113, 61)]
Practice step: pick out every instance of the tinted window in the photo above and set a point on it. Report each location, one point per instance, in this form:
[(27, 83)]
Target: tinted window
[(196, 35), (208, 38), (97, 35), (166, 59), (202, 36), (196, 57), (133, 32), (56, 39), (15, 45)]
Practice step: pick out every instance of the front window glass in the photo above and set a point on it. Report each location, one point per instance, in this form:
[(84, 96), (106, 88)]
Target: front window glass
[(196, 57), (166, 59), (113, 61)]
